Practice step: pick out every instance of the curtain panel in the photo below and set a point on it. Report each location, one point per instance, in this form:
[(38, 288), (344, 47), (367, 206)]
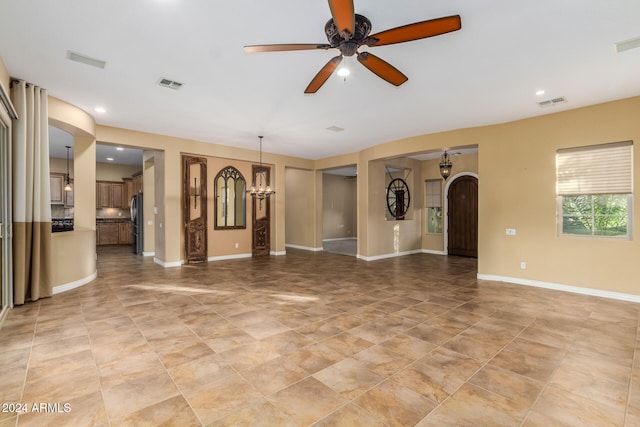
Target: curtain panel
[(32, 277)]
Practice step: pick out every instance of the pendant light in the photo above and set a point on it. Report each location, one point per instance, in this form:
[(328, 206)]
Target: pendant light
[(260, 191), (445, 166), (67, 180)]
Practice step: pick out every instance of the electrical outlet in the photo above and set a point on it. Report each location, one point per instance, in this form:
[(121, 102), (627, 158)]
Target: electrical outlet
[(237, 246), (523, 265)]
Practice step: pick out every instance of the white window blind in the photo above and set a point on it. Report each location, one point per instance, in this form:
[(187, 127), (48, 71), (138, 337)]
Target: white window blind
[(434, 193), (598, 169)]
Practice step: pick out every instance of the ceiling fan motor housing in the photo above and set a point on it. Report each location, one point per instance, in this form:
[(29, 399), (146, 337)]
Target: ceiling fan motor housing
[(348, 47)]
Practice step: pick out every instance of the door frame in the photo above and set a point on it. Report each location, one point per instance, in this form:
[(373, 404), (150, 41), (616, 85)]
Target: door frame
[(6, 218), (446, 206)]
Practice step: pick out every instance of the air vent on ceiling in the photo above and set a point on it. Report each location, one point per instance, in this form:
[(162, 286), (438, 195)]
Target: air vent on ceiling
[(98, 63), (627, 44), (171, 84), (552, 102), (335, 129)]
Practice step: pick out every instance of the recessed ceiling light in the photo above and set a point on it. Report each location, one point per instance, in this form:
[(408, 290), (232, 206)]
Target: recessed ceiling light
[(540, 92), (119, 148), (100, 110), (110, 159)]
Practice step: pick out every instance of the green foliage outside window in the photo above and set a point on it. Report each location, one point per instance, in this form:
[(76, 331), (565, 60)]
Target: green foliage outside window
[(595, 215)]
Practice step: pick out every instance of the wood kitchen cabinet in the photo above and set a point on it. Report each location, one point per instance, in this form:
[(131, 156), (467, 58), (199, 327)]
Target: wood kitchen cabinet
[(124, 233), (110, 194), (107, 233), (113, 233)]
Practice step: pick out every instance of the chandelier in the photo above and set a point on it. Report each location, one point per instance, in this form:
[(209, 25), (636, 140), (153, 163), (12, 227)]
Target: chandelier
[(445, 165), (260, 191)]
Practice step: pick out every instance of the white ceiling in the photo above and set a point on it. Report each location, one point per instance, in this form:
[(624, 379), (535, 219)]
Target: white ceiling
[(488, 72)]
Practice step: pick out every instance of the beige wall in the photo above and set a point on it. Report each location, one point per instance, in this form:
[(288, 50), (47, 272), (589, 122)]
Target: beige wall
[(223, 242), (339, 206), (111, 172), (78, 245), (300, 208)]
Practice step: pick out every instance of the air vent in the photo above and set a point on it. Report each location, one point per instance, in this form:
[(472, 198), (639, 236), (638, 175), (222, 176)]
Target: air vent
[(171, 84), (552, 102), (98, 63), (335, 129)]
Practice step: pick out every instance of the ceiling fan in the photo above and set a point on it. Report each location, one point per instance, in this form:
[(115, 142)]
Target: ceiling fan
[(347, 31)]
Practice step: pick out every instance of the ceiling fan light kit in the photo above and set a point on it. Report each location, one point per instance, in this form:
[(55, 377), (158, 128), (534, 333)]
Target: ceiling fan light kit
[(347, 31)]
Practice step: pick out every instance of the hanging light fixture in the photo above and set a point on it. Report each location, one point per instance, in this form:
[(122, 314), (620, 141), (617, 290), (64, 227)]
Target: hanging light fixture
[(445, 165), (260, 191), (67, 180)]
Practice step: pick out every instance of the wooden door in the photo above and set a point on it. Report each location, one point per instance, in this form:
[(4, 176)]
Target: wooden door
[(463, 217), (261, 217), (195, 208)]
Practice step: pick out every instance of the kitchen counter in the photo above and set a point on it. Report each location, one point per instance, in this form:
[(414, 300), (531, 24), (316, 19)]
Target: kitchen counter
[(108, 220)]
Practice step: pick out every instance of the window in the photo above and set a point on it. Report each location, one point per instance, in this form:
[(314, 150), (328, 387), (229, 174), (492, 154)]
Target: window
[(230, 207), (434, 205), (594, 187)]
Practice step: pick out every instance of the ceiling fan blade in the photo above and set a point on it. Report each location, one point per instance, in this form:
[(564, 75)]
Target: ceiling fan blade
[(344, 17), (284, 47), (416, 31), (382, 68), (323, 74)]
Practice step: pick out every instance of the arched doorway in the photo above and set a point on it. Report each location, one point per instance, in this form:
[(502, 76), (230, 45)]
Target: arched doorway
[(462, 215)]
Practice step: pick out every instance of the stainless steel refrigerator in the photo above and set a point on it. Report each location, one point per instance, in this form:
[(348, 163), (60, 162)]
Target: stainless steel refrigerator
[(137, 223)]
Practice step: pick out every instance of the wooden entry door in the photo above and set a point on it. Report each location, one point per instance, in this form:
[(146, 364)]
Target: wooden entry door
[(261, 217), (463, 217), (195, 209)]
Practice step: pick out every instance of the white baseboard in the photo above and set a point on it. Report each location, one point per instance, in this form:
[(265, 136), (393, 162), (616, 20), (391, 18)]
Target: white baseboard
[(559, 287), (304, 248), (168, 264), (225, 257), (392, 255), (68, 286), (339, 238), (148, 254), (278, 253), (430, 251)]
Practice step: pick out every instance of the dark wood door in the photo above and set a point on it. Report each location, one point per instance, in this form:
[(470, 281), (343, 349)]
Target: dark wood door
[(463, 217), (195, 208), (261, 217)]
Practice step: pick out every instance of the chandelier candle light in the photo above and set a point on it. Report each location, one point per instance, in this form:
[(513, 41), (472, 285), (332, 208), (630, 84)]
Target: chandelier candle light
[(260, 192)]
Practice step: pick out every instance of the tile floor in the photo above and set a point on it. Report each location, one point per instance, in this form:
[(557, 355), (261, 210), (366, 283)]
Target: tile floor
[(318, 339)]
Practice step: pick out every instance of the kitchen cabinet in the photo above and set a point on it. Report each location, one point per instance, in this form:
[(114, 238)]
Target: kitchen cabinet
[(113, 233), (56, 187), (107, 233), (124, 233), (137, 183), (110, 194)]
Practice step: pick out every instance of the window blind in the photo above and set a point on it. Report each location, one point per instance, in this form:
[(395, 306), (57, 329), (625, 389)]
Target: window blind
[(598, 169), (434, 194)]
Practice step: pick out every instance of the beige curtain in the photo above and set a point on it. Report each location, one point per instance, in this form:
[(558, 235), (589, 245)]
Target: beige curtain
[(31, 198)]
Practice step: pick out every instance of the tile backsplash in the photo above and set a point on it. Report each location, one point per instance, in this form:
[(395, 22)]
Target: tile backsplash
[(59, 211), (114, 213)]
